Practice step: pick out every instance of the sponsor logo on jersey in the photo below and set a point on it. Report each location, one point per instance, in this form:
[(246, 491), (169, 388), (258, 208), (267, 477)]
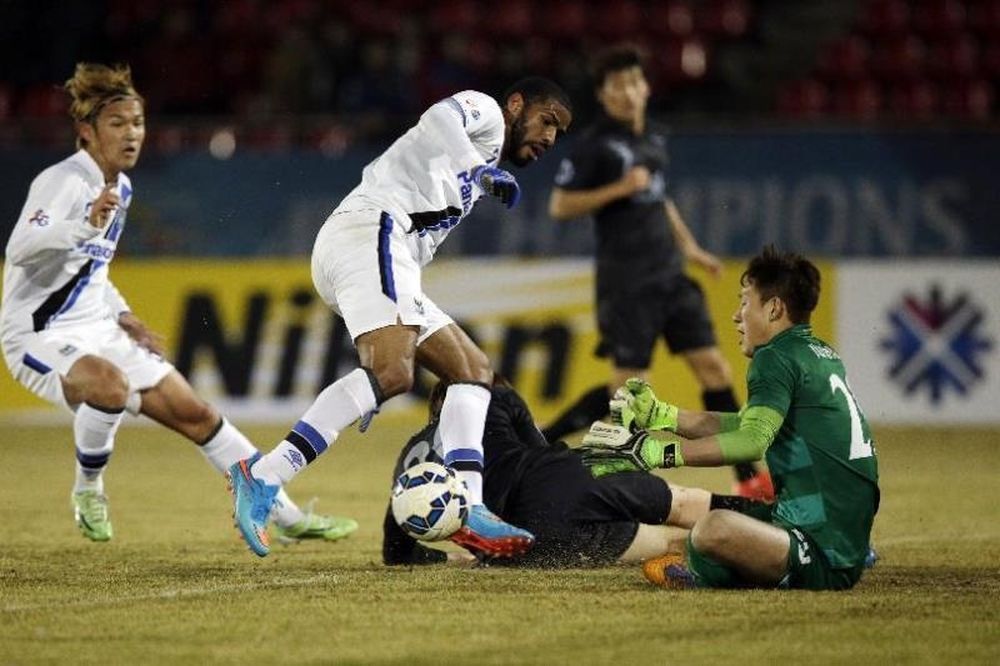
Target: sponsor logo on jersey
[(465, 189), (39, 218), (936, 342), (98, 251), (66, 350)]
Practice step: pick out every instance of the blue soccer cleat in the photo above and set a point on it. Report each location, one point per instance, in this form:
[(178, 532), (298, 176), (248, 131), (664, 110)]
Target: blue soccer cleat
[(871, 558), (486, 535), (252, 502)]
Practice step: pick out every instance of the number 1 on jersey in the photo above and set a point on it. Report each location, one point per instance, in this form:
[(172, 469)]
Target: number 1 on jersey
[(860, 448)]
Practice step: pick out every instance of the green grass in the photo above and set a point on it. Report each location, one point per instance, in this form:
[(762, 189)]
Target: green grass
[(176, 584)]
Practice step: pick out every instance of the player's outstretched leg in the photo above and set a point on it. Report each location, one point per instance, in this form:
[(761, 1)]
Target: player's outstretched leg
[(485, 534), (314, 526), (252, 503)]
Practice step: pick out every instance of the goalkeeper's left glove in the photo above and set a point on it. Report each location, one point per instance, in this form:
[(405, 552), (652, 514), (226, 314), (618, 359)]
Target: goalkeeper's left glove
[(635, 407), (609, 448)]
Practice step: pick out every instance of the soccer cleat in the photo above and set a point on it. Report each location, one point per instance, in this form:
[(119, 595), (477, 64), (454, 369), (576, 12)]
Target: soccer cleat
[(315, 526), (758, 487), (484, 534), (252, 502), (871, 558), (668, 571), (91, 511)]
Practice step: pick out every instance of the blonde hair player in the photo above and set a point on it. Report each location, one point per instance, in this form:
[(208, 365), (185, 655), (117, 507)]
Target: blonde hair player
[(68, 335)]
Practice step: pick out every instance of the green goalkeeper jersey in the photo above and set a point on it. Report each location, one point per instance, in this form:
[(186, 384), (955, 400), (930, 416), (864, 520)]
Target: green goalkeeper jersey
[(823, 459)]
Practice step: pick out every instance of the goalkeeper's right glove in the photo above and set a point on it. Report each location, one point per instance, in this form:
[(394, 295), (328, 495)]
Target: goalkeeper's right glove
[(636, 407), (608, 448)]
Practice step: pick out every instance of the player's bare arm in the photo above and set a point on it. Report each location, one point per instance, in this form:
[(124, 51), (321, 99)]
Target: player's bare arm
[(689, 245), (571, 204)]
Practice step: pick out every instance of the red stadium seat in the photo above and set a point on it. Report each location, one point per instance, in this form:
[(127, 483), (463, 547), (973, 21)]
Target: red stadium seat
[(514, 21), (899, 58), (939, 17), (954, 57), (724, 18), (454, 15), (804, 99), (617, 19), (858, 100), (565, 20), (673, 18), (881, 18), (984, 18), (845, 59), (914, 100), (969, 100), (680, 60), (44, 101)]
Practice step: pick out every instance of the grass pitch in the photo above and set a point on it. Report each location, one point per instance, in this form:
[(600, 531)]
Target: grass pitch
[(176, 583)]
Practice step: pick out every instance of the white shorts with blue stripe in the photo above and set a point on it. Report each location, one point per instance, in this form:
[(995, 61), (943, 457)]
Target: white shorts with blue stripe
[(364, 269), (39, 360)]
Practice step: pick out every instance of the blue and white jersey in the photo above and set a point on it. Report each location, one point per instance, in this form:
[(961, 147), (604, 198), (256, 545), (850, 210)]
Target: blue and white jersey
[(423, 180), (56, 268)]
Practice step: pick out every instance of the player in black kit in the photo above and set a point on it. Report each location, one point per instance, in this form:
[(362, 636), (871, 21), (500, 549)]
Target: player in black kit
[(618, 173), (577, 520)]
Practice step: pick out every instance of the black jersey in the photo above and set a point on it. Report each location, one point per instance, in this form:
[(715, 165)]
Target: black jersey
[(634, 238), (542, 487), (512, 445)]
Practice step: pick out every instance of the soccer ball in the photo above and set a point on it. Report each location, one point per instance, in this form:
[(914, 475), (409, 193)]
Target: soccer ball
[(429, 502)]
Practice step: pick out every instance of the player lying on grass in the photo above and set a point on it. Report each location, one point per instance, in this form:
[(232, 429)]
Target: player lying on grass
[(801, 416), (577, 520), (70, 338)]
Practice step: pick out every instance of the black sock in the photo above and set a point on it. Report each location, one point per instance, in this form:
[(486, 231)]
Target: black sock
[(592, 406), (724, 400), (732, 502)]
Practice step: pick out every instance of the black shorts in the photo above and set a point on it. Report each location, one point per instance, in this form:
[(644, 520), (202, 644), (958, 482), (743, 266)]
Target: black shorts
[(578, 520), (631, 322)]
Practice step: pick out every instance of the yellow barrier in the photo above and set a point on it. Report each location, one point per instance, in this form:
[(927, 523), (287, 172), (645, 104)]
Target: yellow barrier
[(253, 336)]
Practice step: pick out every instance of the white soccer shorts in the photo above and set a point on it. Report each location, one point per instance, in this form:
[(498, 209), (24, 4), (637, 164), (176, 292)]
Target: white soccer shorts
[(47, 355), (363, 268)]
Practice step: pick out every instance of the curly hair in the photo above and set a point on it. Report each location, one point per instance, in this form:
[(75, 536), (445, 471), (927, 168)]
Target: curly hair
[(94, 86)]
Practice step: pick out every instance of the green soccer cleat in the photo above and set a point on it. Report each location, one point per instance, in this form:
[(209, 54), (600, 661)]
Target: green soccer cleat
[(91, 511), (315, 526)]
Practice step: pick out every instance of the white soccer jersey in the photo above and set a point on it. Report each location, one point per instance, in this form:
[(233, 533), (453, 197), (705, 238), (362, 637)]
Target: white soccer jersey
[(56, 268), (423, 180)]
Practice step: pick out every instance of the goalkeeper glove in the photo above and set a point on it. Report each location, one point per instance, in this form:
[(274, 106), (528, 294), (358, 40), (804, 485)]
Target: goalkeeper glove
[(497, 183), (636, 407), (609, 448)]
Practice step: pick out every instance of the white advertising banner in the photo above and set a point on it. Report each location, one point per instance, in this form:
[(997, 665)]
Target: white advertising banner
[(921, 339)]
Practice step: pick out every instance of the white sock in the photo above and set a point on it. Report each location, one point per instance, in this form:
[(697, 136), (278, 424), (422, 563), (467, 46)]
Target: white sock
[(463, 419), (94, 435), (339, 405), (227, 447)]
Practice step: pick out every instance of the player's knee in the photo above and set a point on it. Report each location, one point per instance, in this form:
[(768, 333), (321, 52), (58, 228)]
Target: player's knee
[(710, 534), (394, 378), (105, 385)]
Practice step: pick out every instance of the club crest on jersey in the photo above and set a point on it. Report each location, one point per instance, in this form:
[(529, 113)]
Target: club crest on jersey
[(40, 218)]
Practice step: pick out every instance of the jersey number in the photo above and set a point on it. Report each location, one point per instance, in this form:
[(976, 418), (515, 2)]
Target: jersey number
[(860, 448)]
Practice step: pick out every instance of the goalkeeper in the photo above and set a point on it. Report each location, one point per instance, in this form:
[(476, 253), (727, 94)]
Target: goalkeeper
[(800, 416)]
